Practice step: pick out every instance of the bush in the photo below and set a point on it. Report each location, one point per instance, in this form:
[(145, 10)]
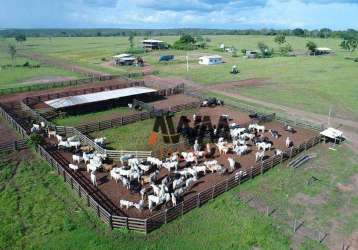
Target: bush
[(26, 64), (284, 50), (265, 50), (34, 140), (243, 51)]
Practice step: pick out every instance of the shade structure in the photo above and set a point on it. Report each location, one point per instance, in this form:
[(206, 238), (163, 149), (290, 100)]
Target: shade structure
[(98, 97)]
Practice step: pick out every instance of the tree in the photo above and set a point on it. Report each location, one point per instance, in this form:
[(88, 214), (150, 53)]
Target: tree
[(185, 42), (325, 33), (12, 52), (280, 39), (130, 39), (311, 46), (298, 32), (265, 50), (350, 44), (20, 38)]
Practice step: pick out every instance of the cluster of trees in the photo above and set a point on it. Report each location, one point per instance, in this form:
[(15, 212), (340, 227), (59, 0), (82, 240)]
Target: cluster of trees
[(323, 33), (188, 42)]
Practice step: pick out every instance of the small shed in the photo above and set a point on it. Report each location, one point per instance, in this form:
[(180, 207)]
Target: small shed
[(333, 134), (154, 44), (210, 60)]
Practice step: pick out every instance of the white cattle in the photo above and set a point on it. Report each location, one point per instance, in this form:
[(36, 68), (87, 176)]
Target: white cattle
[(288, 142), (155, 161), (144, 168), (178, 183), (127, 204), (236, 132), (64, 144), (93, 178), (86, 157), (115, 175), (100, 140), (200, 169), (51, 133), (125, 181), (35, 128), (263, 146), (76, 158), (156, 189), (139, 205), (124, 172), (171, 165), (178, 192), (135, 176), (278, 152), (215, 168), (231, 164), (259, 155), (59, 138), (174, 200), (75, 144), (241, 150), (222, 148), (158, 200), (43, 124), (196, 146), (190, 181), (73, 167)]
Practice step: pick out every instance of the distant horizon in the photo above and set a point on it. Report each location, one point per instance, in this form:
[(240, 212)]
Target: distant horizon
[(163, 14), (178, 28)]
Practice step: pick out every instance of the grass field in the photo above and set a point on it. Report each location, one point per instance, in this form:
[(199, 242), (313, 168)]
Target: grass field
[(39, 211), (74, 120), (310, 83), (25, 76)]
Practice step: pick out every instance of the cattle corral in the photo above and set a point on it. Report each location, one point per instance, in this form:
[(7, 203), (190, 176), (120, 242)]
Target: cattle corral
[(109, 193)]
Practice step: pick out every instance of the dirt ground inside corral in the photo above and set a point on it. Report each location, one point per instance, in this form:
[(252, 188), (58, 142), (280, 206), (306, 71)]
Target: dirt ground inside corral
[(7, 134), (115, 191)]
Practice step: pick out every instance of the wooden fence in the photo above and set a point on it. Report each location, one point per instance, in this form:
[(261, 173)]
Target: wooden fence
[(13, 146), (200, 198), (167, 215), (124, 120)]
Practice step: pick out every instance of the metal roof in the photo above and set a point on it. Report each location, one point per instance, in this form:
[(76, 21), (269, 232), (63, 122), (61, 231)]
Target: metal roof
[(97, 97), (152, 41), (122, 55), (332, 133), (211, 57)]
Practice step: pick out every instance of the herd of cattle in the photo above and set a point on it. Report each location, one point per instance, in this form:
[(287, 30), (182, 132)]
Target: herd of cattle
[(183, 169)]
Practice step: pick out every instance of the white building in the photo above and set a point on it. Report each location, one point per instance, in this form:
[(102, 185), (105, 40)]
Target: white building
[(210, 60)]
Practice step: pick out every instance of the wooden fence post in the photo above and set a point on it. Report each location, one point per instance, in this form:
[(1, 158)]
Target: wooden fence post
[(165, 216), (198, 200), (262, 167)]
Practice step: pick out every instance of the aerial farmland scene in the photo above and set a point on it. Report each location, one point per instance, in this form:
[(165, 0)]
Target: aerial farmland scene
[(179, 124)]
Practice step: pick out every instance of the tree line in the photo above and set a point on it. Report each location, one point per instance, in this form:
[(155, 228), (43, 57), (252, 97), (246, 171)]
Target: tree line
[(322, 33)]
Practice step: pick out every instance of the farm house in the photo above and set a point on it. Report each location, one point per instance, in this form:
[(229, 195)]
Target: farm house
[(210, 60), (154, 44)]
